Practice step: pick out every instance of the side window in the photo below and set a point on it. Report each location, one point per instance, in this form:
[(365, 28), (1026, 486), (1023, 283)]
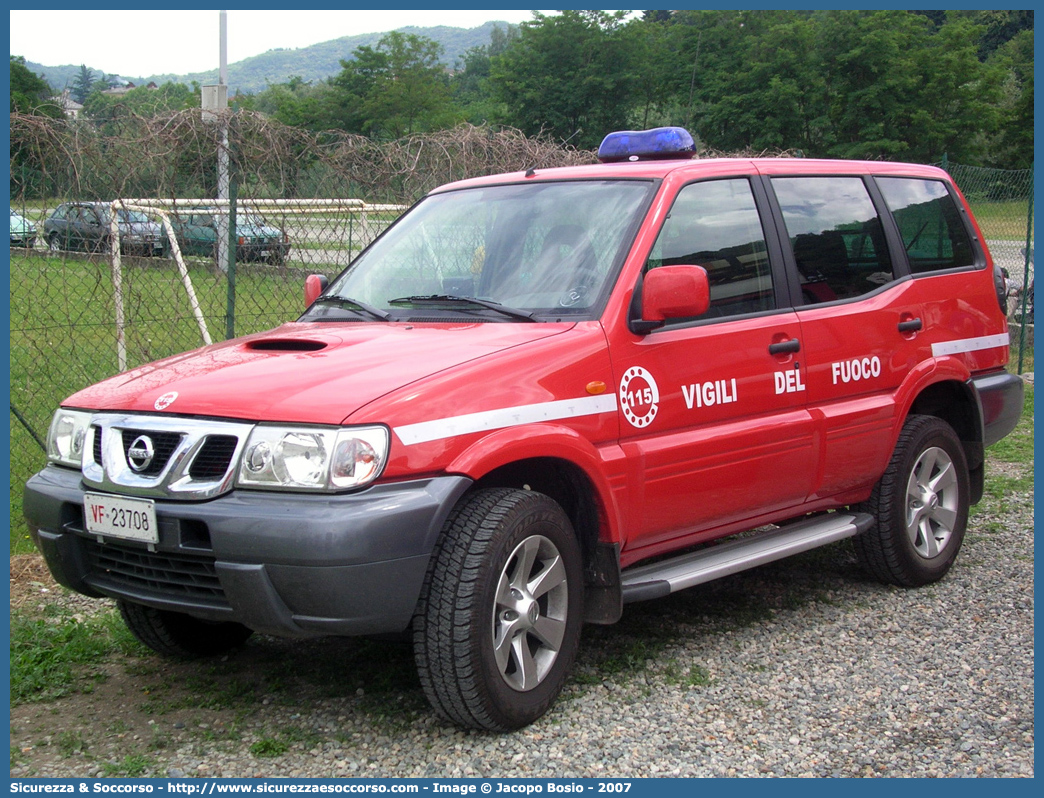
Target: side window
[(836, 235), (930, 224), (716, 225)]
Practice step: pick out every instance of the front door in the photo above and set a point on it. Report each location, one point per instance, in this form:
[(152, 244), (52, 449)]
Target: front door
[(713, 408)]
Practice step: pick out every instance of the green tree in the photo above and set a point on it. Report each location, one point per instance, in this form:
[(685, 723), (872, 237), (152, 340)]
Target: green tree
[(140, 101), (849, 84), (470, 82), (570, 75), (758, 81), (1013, 148), (299, 103), (82, 84), (31, 94), (900, 89), (397, 88), (660, 77)]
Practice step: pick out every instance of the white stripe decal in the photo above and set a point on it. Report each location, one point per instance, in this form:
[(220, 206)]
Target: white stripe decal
[(505, 417), (970, 344)]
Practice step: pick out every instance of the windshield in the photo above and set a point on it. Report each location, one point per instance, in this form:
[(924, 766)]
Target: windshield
[(123, 215), (547, 248), (134, 217)]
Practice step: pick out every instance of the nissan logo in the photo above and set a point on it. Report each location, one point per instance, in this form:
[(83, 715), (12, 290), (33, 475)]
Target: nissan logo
[(140, 453)]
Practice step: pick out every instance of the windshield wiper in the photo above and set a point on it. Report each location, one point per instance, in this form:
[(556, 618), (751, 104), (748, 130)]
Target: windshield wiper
[(333, 299), (515, 313)]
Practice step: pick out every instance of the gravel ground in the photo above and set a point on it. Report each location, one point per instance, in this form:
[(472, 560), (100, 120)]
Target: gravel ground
[(801, 668)]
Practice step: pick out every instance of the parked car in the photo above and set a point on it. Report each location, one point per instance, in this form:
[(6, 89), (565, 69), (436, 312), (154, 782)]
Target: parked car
[(85, 227), (23, 232), (197, 233), (540, 396)]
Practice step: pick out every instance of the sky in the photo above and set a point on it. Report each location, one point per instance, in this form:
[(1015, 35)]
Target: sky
[(144, 43)]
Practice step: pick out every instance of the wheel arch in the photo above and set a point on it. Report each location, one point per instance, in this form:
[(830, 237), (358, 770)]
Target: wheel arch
[(561, 464), (952, 399)]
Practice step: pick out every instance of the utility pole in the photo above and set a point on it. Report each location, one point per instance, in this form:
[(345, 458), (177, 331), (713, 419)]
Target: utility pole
[(222, 163), (215, 110)]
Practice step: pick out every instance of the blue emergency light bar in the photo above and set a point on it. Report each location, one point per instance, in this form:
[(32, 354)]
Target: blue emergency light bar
[(645, 145)]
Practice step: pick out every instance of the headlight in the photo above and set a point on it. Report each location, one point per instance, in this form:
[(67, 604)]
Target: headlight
[(67, 435), (313, 458)]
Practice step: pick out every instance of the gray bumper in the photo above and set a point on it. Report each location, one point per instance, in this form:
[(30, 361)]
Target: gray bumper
[(285, 564), (1001, 398)]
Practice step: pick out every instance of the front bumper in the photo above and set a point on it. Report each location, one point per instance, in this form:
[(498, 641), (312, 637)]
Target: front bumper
[(149, 248), (271, 251), (291, 565)]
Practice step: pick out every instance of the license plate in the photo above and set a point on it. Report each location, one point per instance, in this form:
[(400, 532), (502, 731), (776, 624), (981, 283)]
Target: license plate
[(120, 517)]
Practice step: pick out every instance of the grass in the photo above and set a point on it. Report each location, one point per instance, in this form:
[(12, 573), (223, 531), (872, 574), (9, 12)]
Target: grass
[(60, 653), (63, 335), (131, 767), (1004, 220), (268, 747)]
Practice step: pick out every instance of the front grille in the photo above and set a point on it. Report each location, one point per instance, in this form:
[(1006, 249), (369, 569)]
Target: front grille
[(214, 457), (163, 444), (192, 459), (163, 575)]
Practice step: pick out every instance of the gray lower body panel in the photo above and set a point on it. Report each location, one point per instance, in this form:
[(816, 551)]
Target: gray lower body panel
[(285, 564), (1001, 397)]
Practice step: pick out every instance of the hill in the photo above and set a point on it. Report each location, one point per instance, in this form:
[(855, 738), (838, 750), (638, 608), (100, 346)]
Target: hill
[(313, 63)]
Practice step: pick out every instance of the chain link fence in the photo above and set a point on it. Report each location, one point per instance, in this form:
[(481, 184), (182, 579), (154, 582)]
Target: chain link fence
[(1002, 201), (83, 309)]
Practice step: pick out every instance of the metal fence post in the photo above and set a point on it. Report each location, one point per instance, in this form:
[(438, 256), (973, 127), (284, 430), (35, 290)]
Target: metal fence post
[(1025, 275), (230, 309)]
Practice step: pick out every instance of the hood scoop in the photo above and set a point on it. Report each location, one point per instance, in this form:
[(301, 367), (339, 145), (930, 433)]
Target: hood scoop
[(286, 345)]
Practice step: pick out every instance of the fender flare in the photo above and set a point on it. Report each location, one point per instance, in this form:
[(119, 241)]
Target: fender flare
[(924, 376), (542, 441)]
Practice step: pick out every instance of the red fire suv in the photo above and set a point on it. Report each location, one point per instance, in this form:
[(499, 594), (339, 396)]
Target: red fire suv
[(540, 396)]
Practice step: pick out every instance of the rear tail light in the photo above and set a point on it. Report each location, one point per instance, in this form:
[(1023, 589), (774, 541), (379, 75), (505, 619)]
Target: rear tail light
[(1000, 283)]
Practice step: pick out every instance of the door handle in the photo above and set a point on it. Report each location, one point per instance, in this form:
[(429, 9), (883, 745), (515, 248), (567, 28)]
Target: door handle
[(912, 325), (783, 347)]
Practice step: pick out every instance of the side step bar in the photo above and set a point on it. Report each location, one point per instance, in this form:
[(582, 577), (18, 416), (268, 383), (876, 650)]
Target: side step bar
[(662, 578)]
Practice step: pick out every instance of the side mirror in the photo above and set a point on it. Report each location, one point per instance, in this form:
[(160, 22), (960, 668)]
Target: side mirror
[(672, 292), (315, 284)]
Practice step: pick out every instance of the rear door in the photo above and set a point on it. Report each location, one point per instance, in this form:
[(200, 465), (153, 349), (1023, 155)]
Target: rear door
[(962, 317), (712, 408), (92, 229), (81, 219), (860, 323)]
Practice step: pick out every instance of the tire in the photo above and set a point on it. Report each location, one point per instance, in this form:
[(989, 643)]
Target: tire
[(174, 634), (54, 243), (498, 623), (920, 507)]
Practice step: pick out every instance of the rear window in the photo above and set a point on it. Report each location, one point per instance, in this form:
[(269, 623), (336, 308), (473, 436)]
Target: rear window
[(930, 224), (836, 236)]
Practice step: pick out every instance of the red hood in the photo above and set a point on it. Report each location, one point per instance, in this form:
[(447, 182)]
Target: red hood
[(309, 373)]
